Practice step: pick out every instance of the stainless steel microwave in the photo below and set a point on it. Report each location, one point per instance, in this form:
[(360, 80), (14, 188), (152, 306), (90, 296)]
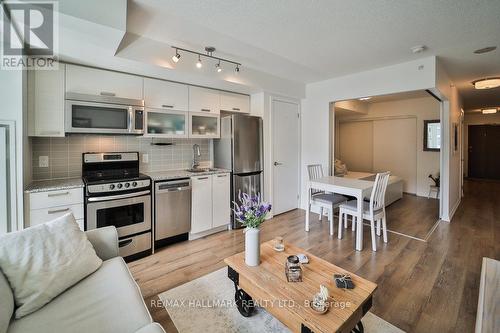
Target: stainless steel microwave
[(103, 114)]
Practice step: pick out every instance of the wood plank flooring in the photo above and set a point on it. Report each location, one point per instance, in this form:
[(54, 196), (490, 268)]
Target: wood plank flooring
[(422, 286)]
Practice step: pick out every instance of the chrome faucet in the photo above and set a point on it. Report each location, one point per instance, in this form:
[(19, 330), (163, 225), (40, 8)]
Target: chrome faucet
[(196, 156)]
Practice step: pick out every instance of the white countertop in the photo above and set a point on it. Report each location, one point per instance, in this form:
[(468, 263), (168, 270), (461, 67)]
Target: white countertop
[(53, 185), (176, 174)]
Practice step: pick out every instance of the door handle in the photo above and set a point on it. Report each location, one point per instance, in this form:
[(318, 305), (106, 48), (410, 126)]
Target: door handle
[(277, 163), (125, 242)]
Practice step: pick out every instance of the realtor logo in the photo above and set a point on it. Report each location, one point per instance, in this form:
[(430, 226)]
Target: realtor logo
[(29, 34)]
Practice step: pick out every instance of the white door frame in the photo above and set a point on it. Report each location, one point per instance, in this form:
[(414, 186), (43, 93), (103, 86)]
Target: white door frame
[(15, 223), (299, 145)]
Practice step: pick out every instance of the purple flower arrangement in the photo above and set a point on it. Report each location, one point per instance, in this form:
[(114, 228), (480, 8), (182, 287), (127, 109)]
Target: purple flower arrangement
[(251, 211)]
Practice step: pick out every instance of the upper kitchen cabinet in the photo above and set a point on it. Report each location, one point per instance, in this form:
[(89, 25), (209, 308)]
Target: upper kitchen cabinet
[(234, 102), (94, 81), (204, 125), (46, 102), (165, 95), (166, 123), (204, 100)]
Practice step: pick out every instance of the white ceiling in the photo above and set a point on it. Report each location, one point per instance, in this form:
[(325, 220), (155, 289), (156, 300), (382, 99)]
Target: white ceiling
[(312, 40)]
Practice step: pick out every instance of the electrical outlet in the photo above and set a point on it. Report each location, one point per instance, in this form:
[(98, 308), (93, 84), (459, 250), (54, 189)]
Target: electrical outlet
[(43, 161), (145, 158)]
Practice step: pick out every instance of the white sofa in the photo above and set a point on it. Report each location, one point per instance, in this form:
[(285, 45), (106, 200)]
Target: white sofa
[(107, 301)]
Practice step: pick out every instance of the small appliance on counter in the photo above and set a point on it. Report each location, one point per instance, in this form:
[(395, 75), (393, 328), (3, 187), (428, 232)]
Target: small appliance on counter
[(172, 211), (116, 194), (239, 149)]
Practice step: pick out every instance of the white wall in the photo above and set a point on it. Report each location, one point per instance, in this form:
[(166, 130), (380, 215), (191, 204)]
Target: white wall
[(409, 76), (426, 108), (476, 118)]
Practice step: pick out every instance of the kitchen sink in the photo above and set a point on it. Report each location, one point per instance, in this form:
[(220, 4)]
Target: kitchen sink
[(201, 170)]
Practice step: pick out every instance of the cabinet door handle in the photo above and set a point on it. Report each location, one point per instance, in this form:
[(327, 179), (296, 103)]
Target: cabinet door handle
[(202, 178), (222, 176), (167, 106), (236, 109), (55, 211), (107, 93), (50, 195), (205, 110)]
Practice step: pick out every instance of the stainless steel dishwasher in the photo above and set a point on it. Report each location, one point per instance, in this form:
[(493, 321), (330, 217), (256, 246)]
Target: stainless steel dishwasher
[(172, 211)]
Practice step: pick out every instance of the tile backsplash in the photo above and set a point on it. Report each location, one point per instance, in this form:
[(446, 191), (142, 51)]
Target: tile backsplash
[(65, 154)]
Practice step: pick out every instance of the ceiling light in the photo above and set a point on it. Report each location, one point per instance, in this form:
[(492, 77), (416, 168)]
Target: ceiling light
[(217, 66), (489, 111), (485, 50), (418, 48), (364, 98), (487, 83), (176, 57), (237, 69), (198, 63)]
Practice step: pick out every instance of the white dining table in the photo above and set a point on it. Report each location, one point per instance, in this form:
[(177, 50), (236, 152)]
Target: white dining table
[(347, 186)]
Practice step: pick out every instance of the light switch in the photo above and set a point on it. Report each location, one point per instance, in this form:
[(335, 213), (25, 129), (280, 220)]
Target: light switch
[(43, 161), (145, 158)]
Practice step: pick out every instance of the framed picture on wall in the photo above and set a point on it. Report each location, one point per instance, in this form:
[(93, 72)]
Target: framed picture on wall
[(432, 135)]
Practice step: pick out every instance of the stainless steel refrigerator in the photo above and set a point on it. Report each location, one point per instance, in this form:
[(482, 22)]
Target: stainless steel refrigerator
[(239, 149)]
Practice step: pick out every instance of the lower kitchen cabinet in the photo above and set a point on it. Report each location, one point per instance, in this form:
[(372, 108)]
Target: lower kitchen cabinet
[(42, 207), (210, 206)]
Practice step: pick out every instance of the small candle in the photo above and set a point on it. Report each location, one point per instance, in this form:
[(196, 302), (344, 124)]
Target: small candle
[(278, 244)]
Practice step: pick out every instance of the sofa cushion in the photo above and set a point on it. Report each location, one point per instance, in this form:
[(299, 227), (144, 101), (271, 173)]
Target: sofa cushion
[(42, 261), (108, 300), (6, 303)]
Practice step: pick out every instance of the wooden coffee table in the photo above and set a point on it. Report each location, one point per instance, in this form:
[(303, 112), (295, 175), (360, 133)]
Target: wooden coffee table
[(267, 286)]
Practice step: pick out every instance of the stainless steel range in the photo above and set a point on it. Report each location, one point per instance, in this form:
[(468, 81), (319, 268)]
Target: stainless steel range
[(116, 194)]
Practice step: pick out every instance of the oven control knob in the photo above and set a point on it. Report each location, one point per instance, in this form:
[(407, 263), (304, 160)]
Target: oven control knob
[(112, 187), (127, 185), (119, 185), (134, 184)]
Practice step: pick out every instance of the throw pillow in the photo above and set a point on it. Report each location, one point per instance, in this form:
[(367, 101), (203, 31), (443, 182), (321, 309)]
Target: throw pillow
[(43, 261)]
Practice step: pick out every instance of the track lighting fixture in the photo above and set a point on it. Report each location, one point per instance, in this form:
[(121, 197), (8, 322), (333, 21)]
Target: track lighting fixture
[(176, 57), (209, 51)]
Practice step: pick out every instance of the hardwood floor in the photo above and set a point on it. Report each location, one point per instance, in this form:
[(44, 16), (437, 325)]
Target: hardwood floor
[(422, 286)]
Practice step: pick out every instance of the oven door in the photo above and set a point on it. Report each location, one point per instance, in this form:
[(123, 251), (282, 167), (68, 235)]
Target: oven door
[(129, 215)]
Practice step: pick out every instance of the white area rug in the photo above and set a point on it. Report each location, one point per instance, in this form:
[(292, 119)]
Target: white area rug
[(207, 305)]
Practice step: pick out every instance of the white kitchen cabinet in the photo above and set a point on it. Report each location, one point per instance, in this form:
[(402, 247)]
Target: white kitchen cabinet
[(46, 102), (201, 203), (234, 102), (92, 81), (45, 206), (165, 95), (210, 202), (221, 197), (204, 100), (166, 124), (204, 125)]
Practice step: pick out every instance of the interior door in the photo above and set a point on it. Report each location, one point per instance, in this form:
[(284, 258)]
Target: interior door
[(484, 154), (285, 133)]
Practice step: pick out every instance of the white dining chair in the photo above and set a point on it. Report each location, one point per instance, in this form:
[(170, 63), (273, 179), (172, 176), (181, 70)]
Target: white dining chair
[(326, 201), (372, 211)]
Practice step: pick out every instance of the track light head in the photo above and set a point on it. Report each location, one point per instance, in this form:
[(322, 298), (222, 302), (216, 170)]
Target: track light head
[(198, 63), (176, 57), (237, 69), (218, 67)]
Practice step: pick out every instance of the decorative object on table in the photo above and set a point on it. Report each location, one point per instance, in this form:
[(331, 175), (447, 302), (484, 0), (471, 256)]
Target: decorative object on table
[(320, 303), (303, 259), (343, 281), (293, 270), (251, 213), (436, 179), (279, 245)]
